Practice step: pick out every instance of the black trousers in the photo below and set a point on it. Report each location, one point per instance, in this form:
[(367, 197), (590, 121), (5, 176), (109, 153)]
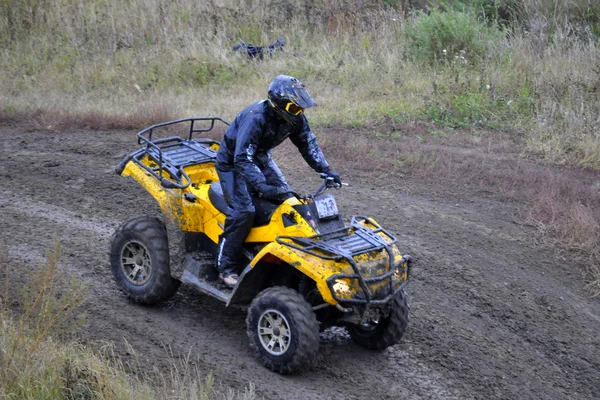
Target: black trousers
[(240, 216)]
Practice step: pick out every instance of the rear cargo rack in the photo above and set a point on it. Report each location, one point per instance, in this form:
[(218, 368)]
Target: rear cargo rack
[(170, 155), (345, 244)]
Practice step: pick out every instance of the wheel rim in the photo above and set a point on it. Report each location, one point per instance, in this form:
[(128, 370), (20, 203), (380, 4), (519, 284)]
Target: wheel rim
[(367, 329), (274, 332), (136, 262)]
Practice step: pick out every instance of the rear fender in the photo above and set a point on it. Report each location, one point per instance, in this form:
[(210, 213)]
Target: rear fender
[(170, 202)]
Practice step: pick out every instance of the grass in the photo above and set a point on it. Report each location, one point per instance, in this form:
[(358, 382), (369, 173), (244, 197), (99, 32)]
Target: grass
[(110, 64), (38, 360)]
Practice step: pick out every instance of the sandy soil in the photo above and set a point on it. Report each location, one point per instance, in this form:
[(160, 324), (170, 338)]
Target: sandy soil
[(493, 315)]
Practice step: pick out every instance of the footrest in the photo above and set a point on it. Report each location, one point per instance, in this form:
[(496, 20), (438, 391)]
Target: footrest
[(213, 288)]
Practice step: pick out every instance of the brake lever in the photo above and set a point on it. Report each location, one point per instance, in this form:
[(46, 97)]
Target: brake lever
[(334, 185)]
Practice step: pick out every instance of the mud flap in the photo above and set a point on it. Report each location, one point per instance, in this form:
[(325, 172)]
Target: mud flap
[(176, 241), (248, 286)]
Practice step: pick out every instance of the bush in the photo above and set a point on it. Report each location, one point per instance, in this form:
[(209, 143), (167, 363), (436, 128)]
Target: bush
[(449, 37)]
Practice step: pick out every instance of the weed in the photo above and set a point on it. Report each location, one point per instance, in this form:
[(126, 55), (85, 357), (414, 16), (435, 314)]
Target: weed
[(438, 134), (34, 363), (50, 301)]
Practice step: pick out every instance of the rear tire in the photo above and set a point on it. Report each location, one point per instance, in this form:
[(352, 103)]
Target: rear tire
[(139, 259), (387, 331), (283, 330)]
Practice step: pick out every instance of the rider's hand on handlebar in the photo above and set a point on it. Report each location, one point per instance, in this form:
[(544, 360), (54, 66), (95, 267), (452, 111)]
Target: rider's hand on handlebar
[(333, 178)]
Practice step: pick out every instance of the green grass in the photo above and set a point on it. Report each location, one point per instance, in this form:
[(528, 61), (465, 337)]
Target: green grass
[(450, 37), (365, 65)]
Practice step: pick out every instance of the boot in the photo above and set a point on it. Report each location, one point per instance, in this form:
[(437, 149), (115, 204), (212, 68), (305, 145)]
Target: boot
[(230, 280)]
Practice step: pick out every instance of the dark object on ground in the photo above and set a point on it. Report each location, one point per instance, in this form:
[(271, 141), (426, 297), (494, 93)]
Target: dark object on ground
[(259, 51)]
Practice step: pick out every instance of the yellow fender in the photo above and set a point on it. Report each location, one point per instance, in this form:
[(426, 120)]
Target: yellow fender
[(318, 269), (169, 200)]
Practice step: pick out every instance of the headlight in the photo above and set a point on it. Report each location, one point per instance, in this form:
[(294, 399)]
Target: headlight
[(399, 272), (341, 286)]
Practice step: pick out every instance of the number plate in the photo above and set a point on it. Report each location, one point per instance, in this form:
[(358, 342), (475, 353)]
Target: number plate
[(326, 207)]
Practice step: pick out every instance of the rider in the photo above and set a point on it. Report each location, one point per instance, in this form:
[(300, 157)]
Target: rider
[(244, 163)]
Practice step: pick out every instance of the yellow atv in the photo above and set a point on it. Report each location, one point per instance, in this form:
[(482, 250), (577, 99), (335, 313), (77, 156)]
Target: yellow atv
[(306, 269)]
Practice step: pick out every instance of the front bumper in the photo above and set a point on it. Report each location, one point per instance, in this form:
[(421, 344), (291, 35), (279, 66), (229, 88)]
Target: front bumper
[(369, 251), (397, 277)]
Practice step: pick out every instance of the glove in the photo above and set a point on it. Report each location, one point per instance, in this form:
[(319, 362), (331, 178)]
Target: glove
[(334, 177), (271, 192)]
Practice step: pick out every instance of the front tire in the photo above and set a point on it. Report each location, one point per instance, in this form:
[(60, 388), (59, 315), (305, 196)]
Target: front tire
[(387, 331), (283, 330), (139, 259)]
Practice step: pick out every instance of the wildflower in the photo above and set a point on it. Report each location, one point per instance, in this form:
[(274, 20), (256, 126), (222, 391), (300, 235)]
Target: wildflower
[(488, 87)]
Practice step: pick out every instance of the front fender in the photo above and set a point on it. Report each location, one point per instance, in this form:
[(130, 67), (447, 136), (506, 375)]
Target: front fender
[(318, 269)]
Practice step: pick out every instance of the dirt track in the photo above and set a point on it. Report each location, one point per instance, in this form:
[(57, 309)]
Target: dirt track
[(492, 315)]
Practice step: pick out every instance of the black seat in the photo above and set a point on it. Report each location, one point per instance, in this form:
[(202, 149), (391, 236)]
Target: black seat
[(264, 208), (215, 194)]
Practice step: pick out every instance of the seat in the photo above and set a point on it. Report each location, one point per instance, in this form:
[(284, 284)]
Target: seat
[(215, 194)]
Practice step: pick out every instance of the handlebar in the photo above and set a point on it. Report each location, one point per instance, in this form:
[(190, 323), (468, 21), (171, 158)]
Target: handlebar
[(328, 183)]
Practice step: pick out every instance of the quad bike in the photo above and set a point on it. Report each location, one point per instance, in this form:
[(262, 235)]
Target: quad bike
[(306, 269)]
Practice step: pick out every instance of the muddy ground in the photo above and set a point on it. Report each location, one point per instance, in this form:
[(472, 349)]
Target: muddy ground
[(493, 315)]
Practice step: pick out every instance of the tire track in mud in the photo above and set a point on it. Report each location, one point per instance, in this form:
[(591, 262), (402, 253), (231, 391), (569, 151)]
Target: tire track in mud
[(506, 318), (151, 330), (528, 329), (36, 210)]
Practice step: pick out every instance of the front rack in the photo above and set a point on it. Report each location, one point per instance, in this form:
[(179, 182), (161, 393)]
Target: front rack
[(345, 244), (170, 155)]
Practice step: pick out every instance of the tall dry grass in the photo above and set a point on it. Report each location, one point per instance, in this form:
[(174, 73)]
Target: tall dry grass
[(106, 59), (39, 360)]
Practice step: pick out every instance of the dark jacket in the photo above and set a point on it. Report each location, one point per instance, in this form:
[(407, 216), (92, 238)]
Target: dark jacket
[(258, 129)]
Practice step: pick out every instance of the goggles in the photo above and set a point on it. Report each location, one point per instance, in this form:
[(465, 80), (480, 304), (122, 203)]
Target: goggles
[(292, 108)]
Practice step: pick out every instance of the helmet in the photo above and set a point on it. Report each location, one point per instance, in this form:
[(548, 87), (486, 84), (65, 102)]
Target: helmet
[(289, 98)]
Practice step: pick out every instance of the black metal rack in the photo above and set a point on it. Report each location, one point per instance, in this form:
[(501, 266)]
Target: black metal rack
[(345, 244), (170, 155)]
